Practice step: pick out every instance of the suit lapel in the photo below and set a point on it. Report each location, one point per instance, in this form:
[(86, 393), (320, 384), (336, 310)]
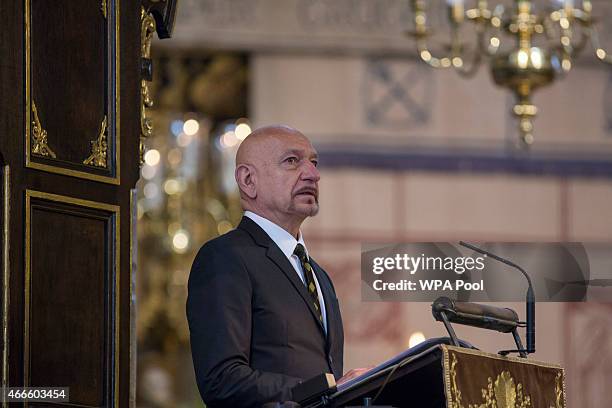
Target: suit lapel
[(274, 253)]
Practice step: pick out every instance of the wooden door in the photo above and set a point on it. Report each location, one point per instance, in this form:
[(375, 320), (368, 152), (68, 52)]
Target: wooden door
[(71, 121)]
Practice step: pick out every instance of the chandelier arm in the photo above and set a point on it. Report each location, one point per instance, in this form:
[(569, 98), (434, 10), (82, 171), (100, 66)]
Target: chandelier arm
[(572, 49), (567, 49), (431, 60), (470, 70), (485, 46), (483, 19), (457, 55), (421, 34), (488, 45), (494, 41), (601, 53), (584, 40), (456, 58), (583, 15), (549, 29)]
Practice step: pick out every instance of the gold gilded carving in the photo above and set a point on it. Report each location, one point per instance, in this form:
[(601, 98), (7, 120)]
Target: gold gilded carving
[(454, 389), (559, 392), (39, 137), (505, 390), (504, 393), (103, 7), (98, 148), (501, 393), (146, 35)]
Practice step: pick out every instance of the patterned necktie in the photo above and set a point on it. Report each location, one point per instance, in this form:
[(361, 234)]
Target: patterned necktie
[(310, 282)]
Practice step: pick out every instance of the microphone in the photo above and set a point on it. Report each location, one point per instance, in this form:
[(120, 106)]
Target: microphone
[(530, 297), (503, 320)]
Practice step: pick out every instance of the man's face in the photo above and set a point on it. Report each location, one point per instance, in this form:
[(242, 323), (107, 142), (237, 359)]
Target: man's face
[(287, 183)]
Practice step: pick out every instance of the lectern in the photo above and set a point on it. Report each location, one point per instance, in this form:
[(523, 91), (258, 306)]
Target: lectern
[(438, 375)]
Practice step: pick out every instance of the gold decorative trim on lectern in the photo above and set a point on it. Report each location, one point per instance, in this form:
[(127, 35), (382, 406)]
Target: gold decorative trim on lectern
[(475, 379)]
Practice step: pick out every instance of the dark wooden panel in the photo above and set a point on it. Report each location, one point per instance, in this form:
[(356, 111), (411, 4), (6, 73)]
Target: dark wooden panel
[(11, 145), (68, 73), (71, 58), (4, 262), (71, 287), (70, 179)]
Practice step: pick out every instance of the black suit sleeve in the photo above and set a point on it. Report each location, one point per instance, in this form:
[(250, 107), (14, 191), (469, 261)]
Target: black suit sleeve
[(219, 315)]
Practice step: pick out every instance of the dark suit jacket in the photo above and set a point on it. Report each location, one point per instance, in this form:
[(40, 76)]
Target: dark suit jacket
[(254, 331)]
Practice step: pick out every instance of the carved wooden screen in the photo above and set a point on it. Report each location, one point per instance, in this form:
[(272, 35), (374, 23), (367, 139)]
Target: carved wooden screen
[(69, 148)]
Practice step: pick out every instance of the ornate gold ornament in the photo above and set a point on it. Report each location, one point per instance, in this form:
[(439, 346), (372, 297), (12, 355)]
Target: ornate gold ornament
[(559, 392), (526, 66), (147, 29), (98, 148), (103, 8), (501, 393), (455, 396), (39, 137)]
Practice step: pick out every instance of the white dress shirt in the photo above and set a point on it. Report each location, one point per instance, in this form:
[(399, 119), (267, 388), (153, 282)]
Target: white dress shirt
[(287, 242)]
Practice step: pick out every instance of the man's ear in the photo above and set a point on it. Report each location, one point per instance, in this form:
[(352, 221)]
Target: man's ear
[(245, 178)]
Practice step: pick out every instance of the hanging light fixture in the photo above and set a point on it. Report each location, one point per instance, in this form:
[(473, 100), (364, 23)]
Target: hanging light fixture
[(545, 44)]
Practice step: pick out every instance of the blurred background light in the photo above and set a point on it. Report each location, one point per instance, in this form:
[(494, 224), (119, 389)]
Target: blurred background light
[(242, 131), (191, 127), (180, 241), (229, 139), (152, 157), (183, 139), (147, 172), (176, 127), (151, 190), (416, 338)]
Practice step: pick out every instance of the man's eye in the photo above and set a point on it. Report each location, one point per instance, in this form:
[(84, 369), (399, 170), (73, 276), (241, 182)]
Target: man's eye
[(315, 162), (291, 160)]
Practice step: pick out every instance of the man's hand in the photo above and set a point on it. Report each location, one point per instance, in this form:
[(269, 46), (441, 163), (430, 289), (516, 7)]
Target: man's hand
[(354, 373)]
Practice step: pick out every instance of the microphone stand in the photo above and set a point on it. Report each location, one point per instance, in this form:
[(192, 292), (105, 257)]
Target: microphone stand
[(529, 301)]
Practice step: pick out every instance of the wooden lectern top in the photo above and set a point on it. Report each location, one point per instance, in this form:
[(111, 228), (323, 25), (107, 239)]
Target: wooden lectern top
[(444, 376)]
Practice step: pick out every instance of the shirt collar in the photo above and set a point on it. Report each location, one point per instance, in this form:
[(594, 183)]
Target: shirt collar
[(281, 237)]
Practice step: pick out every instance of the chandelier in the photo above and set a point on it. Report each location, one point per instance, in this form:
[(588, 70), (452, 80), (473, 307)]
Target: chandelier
[(543, 47)]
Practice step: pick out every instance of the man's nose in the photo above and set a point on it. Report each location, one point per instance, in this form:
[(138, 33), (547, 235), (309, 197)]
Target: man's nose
[(311, 172)]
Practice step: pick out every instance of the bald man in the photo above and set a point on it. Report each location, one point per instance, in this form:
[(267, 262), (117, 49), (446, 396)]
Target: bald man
[(263, 315)]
